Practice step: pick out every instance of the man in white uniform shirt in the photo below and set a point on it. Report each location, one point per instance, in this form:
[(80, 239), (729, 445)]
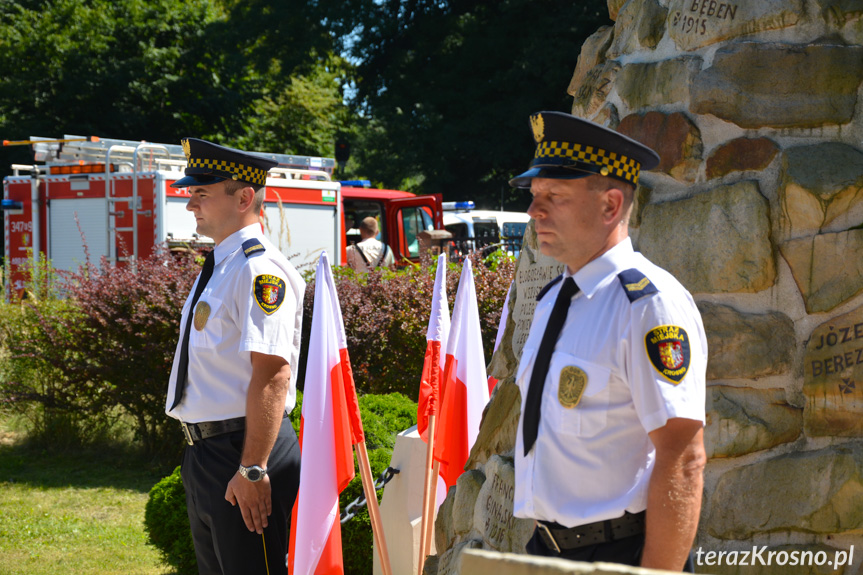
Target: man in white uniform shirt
[(369, 253), (231, 383), (609, 453)]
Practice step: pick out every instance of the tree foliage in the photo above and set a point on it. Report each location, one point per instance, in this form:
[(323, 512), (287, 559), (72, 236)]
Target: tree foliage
[(438, 91), (133, 69), (450, 85), (259, 74)]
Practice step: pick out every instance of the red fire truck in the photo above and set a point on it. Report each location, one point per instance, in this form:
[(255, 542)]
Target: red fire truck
[(115, 198)]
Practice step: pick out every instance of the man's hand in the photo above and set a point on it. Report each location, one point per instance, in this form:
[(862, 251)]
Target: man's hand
[(254, 500), (265, 406)]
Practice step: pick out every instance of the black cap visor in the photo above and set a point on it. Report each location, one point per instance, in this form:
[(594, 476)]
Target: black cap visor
[(553, 172), (197, 180)]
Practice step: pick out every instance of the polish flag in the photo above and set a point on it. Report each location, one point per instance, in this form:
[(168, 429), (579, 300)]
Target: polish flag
[(436, 338), (330, 425), (504, 314), (464, 389)]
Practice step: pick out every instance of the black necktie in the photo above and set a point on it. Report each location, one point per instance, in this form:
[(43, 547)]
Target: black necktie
[(183, 367), (543, 358)]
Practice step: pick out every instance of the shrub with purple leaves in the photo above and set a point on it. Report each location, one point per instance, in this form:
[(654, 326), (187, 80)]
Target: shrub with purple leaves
[(386, 316), (110, 343)]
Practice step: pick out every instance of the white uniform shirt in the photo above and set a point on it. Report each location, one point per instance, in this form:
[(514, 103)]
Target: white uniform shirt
[(593, 462), (373, 250), (220, 367)]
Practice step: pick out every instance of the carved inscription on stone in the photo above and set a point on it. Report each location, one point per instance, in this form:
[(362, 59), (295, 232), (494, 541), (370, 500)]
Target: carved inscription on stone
[(694, 20), (493, 509), (533, 272), (498, 508), (833, 377), (530, 282), (693, 24)]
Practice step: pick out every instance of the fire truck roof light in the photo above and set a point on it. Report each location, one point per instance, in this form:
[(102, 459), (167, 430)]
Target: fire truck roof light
[(452, 206), (356, 183), (82, 168)]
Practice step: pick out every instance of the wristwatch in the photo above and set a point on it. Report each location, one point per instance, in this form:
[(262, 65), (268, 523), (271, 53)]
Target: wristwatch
[(253, 473)]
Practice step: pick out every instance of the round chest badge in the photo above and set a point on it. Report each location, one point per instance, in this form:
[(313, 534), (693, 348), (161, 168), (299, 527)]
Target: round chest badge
[(668, 350), (202, 314), (571, 386)]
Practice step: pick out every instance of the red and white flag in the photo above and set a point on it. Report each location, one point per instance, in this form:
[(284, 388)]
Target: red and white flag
[(504, 314), (435, 359), (330, 425), (464, 389)]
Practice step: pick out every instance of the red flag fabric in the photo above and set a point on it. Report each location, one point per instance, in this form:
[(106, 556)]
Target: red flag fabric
[(433, 365), (330, 423), (464, 389)]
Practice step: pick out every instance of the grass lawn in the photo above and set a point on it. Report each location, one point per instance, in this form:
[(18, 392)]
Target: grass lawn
[(82, 512)]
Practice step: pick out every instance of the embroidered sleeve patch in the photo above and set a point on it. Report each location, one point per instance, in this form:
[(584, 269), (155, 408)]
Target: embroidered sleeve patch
[(269, 292), (668, 351)]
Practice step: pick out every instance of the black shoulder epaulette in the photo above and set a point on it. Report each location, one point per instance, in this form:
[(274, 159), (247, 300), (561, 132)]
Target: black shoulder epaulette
[(252, 246), (635, 284), (548, 286)]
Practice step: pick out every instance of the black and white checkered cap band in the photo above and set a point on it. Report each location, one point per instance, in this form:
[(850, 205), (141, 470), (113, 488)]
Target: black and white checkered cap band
[(231, 169), (608, 163)]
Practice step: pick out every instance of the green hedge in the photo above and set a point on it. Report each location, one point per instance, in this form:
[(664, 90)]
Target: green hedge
[(167, 524), (384, 416)]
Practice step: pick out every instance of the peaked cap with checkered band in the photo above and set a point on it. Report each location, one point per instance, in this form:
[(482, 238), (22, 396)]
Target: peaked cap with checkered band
[(210, 163), (568, 148)]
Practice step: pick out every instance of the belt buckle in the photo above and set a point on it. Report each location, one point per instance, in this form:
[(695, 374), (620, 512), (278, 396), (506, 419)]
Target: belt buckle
[(187, 433), (549, 536)]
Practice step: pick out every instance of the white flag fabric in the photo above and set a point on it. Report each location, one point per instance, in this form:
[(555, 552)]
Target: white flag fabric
[(326, 437), (435, 358), (464, 389)]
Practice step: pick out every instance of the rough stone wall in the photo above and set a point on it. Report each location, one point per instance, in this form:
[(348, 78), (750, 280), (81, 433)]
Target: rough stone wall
[(757, 207)]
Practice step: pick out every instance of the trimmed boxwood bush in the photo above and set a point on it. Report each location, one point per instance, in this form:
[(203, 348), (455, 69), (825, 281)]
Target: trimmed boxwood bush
[(167, 524), (384, 416)]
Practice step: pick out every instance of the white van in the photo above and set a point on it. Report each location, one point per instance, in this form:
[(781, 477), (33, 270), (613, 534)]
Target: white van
[(474, 229)]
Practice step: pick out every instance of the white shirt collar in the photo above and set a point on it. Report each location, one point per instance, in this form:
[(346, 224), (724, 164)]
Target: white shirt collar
[(233, 242), (596, 272)]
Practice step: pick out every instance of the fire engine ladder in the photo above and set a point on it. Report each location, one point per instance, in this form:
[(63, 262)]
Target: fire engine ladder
[(122, 156)]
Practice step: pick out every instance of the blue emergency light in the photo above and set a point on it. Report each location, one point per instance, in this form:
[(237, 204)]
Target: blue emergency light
[(453, 206), (11, 205), (356, 183)]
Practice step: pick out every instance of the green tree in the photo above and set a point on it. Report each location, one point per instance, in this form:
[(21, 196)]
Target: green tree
[(134, 69), (256, 73), (302, 115), (450, 85)]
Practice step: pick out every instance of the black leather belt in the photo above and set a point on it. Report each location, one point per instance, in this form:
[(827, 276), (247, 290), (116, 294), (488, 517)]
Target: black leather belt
[(562, 539), (206, 429)]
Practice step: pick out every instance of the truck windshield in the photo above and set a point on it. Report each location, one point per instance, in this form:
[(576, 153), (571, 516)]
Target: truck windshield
[(357, 210), (414, 221)]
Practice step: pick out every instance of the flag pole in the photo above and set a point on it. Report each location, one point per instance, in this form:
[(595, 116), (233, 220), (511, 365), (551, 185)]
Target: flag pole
[(429, 488), (372, 503), (432, 503)]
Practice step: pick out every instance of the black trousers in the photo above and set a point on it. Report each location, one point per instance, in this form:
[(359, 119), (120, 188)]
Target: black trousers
[(223, 544), (626, 551)]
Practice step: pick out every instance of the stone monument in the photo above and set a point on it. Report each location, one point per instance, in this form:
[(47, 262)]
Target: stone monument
[(757, 207)]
